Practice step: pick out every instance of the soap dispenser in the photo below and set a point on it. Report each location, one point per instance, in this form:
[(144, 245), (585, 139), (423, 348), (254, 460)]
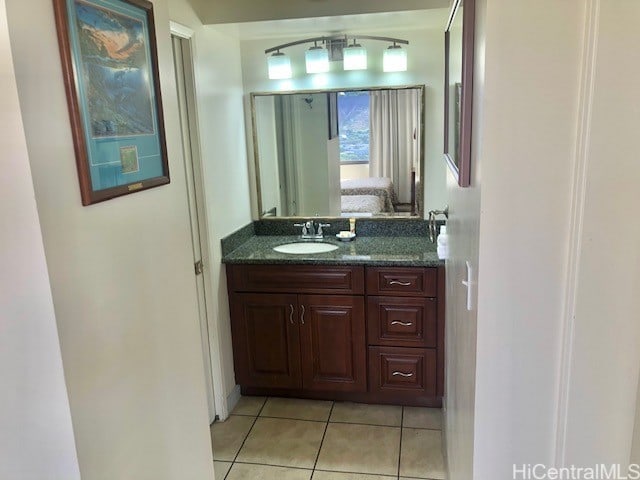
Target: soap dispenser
[(443, 243)]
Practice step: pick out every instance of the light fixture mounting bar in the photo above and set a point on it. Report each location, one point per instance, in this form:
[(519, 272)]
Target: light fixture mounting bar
[(334, 38)]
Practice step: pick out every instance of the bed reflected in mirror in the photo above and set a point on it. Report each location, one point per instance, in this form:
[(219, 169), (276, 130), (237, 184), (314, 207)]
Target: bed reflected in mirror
[(350, 153)]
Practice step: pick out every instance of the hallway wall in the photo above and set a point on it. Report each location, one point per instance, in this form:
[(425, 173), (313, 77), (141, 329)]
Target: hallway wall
[(605, 358), (122, 281), (36, 435), (219, 91), (463, 228), (517, 218)]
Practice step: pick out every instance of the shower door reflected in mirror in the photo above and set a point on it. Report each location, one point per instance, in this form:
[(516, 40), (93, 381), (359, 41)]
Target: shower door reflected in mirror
[(352, 153)]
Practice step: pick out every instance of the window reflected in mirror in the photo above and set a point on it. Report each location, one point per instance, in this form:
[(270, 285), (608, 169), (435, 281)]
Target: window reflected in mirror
[(350, 153)]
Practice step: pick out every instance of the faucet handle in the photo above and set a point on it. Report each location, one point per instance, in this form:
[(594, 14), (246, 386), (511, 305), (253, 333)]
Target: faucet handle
[(321, 226), (304, 227)]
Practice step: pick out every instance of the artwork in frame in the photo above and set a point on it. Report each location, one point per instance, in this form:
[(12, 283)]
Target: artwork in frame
[(109, 62)]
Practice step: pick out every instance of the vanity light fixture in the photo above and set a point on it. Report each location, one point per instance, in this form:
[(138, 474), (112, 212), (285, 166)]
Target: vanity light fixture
[(395, 59), (336, 48), (317, 59), (354, 57), (279, 66)]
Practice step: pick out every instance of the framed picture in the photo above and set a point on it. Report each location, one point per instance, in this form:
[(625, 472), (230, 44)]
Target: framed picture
[(109, 62)]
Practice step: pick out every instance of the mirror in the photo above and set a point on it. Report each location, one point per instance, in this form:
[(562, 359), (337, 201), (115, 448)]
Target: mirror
[(458, 86), (332, 153)]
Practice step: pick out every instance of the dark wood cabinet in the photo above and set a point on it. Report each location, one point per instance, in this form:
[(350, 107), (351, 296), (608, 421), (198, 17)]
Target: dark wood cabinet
[(395, 370), (266, 340), (373, 334), (402, 321), (334, 355), (316, 342)]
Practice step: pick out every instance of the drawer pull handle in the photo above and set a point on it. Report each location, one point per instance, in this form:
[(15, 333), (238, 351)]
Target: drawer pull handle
[(302, 316), (401, 374), (291, 314), (404, 324), (398, 282)]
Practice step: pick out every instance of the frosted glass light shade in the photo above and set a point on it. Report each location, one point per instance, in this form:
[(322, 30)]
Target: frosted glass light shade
[(354, 57), (317, 60), (394, 59), (279, 66)]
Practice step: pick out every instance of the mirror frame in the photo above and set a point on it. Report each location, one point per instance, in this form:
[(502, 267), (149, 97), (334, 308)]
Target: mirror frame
[(256, 154), (462, 171)]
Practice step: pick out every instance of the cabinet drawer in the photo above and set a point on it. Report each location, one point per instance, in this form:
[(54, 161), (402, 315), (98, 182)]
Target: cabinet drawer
[(296, 278), (402, 321), (410, 282), (396, 370)]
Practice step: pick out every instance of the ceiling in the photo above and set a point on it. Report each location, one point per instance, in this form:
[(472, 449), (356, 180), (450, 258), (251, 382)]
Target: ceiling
[(362, 23), (237, 11)]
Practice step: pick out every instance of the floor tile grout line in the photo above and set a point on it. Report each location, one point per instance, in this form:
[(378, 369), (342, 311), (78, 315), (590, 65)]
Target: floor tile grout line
[(359, 473), (324, 434), (277, 465), (245, 438), (342, 422)]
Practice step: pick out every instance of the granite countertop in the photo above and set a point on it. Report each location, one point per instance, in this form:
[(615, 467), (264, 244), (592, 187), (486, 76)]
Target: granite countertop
[(411, 251)]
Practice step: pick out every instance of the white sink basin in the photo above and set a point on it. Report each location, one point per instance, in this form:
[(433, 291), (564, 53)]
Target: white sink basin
[(302, 248)]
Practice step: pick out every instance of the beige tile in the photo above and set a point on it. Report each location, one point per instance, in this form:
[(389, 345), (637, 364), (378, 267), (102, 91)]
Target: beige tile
[(227, 436), (296, 408), (284, 442), (386, 415), (317, 475), (221, 469), (360, 449), (249, 406), (421, 455), (420, 417), (242, 471)]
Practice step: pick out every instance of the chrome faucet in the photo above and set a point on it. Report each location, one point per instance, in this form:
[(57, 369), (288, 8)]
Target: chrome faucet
[(312, 230)]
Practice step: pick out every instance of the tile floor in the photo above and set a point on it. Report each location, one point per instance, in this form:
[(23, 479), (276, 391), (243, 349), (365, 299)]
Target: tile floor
[(292, 439)]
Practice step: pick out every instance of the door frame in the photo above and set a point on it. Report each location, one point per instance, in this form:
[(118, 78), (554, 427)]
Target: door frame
[(220, 407)]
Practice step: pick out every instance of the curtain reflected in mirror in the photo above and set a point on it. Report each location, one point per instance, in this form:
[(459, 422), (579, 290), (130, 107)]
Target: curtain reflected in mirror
[(355, 153)]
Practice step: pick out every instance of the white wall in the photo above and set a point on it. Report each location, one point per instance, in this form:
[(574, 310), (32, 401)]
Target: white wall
[(122, 281), (36, 435), (425, 66), (635, 444), (268, 147), (605, 361), (529, 117), (255, 10), (311, 155), (463, 228), (224, 161), (354, 171)]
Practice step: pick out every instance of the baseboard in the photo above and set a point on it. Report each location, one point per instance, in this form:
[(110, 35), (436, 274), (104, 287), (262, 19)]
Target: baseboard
[(232, 399)]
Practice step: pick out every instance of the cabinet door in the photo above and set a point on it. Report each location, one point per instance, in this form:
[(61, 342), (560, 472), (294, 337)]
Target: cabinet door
[(334, 355), (266, 340)]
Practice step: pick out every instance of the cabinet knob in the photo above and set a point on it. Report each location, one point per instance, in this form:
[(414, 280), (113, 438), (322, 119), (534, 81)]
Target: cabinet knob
[(402, 374), (398, 282), (302, 315), (291, 314)]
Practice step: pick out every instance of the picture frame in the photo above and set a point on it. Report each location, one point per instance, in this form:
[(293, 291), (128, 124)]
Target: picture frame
[(109, 61), (458, 89)]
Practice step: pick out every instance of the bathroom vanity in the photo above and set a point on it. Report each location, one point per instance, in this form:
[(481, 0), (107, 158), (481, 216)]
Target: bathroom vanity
[(363, 323)]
